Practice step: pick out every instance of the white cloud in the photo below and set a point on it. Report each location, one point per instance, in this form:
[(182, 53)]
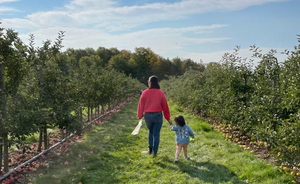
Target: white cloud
[(53, 18), (161, 40), (7, 1), (4, 9), (16, 23), (244, 53), (108, 15), (167, 42), (90, 4)]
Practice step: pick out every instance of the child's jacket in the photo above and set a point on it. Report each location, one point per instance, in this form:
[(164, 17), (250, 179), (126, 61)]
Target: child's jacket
[(182, 134)]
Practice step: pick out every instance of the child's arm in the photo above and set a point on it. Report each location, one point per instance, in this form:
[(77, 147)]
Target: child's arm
[(191, 132), (174, 128)]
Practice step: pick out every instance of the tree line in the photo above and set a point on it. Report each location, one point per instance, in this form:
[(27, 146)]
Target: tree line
[(262, 99), (140, 64)]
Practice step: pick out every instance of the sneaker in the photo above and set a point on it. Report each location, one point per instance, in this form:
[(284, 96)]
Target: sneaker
[(188, 158), (154, 155), (176, 160), (150, 150), (146, 152)]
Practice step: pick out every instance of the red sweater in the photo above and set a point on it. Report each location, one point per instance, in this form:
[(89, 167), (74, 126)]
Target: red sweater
[(153, 100)]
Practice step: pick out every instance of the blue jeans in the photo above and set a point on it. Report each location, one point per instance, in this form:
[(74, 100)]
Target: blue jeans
[(154, 121)]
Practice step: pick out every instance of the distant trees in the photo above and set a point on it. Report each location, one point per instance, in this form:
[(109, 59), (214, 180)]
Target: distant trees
[(139, 64), (144, 62)]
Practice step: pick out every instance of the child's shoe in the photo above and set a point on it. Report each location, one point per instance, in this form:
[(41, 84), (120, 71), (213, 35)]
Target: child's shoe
[(188, 158), (176, 161)]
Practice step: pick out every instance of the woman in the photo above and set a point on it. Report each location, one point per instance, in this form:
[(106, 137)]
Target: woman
[(151, 105)]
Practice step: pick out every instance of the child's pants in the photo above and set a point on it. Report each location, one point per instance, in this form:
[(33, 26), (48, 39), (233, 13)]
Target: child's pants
[(178, 150)]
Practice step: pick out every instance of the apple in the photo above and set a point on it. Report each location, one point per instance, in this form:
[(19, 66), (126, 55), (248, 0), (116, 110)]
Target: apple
[(285, 168)]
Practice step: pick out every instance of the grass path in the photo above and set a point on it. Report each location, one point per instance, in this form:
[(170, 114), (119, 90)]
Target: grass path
[(117, 157)]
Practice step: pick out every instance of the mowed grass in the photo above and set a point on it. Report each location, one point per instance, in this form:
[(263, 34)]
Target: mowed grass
[(117, 157)]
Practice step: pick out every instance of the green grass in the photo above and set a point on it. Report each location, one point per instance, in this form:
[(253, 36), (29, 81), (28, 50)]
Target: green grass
[(117, 157)]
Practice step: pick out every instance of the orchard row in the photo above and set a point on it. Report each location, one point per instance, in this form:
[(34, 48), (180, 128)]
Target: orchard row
[(260, 95), (43, 87)]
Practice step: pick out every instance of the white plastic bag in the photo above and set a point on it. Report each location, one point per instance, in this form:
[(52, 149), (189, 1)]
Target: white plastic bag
[(137, 128)]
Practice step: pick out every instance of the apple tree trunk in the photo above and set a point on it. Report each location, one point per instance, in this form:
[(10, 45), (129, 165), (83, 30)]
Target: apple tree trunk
[(1, 154), (45, 136), (40, 140)]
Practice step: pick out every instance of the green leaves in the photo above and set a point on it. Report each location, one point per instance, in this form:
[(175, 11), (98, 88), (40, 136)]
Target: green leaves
[(263, 101), (48, 88)]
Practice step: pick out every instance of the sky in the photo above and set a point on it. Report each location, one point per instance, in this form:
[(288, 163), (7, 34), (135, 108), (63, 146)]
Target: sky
[(197, 29)]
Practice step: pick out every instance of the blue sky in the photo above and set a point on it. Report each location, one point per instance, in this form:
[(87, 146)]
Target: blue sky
[(197, 29)]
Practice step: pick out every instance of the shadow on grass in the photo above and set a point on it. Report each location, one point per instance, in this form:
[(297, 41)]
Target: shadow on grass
[(206, 171)]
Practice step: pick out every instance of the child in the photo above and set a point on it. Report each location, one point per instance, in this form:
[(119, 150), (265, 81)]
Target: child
[(183, 131)]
